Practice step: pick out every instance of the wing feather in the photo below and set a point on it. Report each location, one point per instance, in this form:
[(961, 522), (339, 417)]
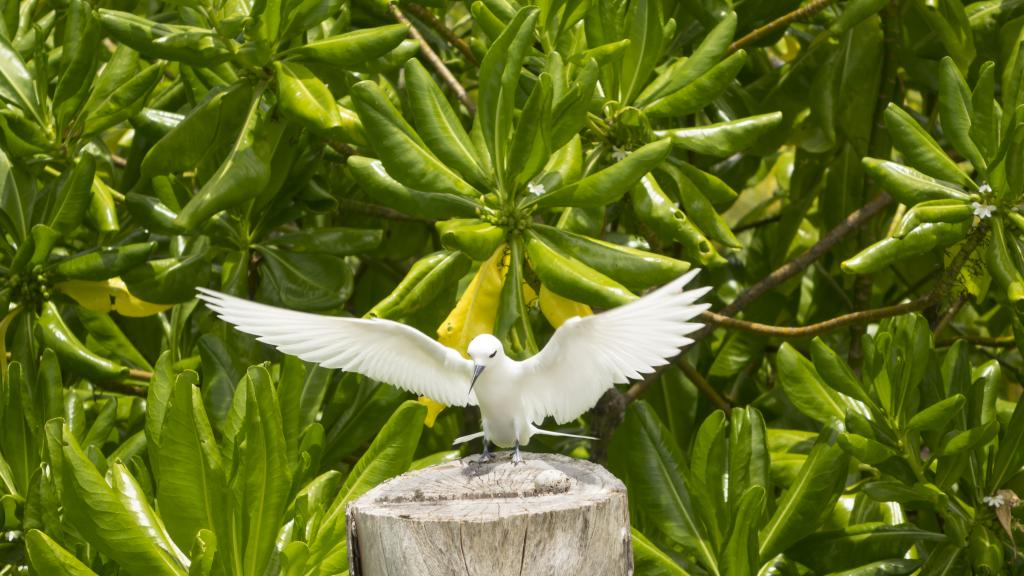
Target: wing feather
[(586, 356), (379, 349)]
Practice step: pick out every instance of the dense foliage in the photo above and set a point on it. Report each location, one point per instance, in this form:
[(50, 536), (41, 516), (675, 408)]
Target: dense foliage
[(849, 174)]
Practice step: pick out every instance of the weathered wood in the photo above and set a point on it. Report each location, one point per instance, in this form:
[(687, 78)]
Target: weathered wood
[(549, 515)]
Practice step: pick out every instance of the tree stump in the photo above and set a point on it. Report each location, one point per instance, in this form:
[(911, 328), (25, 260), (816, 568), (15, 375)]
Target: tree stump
[(549, 515)]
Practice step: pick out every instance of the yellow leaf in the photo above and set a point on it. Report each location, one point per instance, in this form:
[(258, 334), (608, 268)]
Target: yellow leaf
[(433, 409), (476, 311), (109, 295), (557, 309)]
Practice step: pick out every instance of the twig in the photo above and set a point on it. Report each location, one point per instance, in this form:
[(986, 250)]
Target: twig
[(780, 22), (435, 60), (853, 318), (428, 17), (853, 221), (698, 380), (942, 287), (948, 316)]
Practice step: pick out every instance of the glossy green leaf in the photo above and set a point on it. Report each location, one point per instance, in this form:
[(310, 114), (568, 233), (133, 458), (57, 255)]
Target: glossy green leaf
[(499, 77), (806, 503), (723, 138), (658, 481), (402, 151), (439, 127), (192, 487), (649, 559), (390, 454), (49, 557), (95, 510)]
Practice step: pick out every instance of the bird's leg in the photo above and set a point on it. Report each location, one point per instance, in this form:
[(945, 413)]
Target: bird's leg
[(516, 457), (486, 456)]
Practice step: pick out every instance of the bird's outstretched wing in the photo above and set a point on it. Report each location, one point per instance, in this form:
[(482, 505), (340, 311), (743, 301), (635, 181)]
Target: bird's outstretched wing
[(380, 349), (586, 356)]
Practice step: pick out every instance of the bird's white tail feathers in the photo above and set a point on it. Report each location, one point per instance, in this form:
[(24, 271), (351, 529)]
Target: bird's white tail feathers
[(467, 438), (565, 434)]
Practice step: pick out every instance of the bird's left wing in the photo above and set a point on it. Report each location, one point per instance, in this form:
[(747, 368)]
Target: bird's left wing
[(586, 356), (380, 349)]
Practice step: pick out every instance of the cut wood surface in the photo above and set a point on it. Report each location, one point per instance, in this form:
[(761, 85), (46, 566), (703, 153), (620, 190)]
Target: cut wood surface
[(549, 515)]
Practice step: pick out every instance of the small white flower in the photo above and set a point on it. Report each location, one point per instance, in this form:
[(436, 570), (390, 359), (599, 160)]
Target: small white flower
[(996, 501), (536, 189), (12, 535), (983, 210), (619, 154), (984, 189)]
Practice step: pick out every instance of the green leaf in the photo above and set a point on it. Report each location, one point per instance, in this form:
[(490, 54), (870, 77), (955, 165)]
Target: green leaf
[(699, 93), (123, 102), (956, 113), (16, 82), (243, 174), (646, 40), (531, 143), (807, 502), (390, 454), (921, 150), (48, 557), (72, 196), (191, 486), (98, 513), (723, 138), (936, 416), (610, 184), (739, 558), (169, 280), (650, 560), (134, 500), (264, 469), (858, 545), (304, 281), (404, 154), (657, 482), (439, 127), (807, 391), (685, 70), (499, 78), (1010, 455), (352, 48)]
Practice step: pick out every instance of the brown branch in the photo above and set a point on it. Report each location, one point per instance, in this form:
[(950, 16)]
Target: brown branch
[(851, 319), (853, 221), (780, 22), (435, 60), (942, 287), (426, 16)]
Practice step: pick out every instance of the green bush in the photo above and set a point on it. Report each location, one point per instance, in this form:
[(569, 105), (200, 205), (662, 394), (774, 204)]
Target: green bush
[(847, 173)]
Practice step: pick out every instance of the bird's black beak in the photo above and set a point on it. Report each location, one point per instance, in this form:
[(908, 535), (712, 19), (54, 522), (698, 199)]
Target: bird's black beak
[(477, 369)]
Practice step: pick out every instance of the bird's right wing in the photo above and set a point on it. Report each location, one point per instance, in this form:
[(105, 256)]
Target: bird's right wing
[(587, 356), (383, 350)]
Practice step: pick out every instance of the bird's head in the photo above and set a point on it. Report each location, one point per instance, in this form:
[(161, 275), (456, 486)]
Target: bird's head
[(484, 349)]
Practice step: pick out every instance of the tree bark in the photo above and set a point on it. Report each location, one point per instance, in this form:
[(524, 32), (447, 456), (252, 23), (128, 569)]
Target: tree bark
[(550, 515)]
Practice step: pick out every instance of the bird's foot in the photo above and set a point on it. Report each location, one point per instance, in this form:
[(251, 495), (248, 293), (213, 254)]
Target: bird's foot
[(516, 457), (486, 457)]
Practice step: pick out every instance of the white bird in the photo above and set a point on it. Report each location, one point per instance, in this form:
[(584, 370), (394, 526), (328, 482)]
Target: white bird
[(584, 358)]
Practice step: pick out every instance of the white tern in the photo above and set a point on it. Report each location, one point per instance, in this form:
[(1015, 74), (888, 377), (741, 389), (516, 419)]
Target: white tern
[(584, 357)]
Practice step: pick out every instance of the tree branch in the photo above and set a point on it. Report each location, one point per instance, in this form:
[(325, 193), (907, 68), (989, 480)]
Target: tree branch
[(435, 60), (426, 16), (780, 22), (853, 221)]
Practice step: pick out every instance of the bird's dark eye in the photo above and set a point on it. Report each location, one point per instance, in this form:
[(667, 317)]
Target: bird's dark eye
[(492, 354)]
